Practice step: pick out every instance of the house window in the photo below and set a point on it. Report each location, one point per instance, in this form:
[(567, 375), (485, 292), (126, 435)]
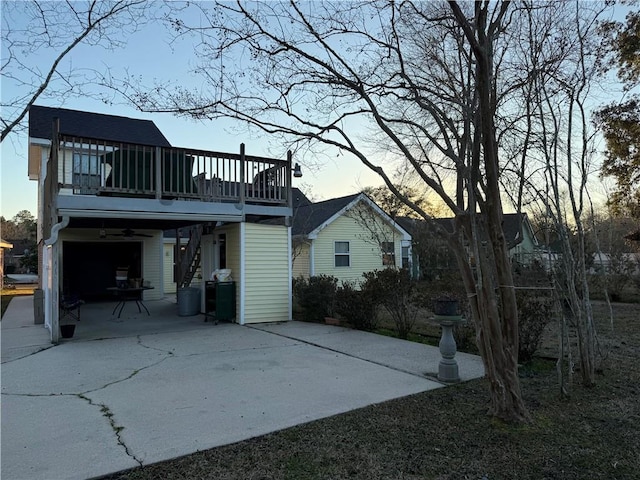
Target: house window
[(405, 257), (342, 256), (86, 173), (388, 254)]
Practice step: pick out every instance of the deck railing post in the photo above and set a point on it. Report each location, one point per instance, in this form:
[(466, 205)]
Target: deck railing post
[(243, 186), (289, 179), (158, 172)]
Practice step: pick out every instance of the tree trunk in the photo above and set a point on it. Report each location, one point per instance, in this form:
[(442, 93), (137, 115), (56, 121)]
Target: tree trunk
[(498, 349)]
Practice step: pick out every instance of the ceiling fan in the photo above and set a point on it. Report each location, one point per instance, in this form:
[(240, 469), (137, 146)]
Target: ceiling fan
[(126, 233)]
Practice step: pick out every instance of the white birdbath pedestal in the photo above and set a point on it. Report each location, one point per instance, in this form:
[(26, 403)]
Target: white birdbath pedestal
[(448, 367)]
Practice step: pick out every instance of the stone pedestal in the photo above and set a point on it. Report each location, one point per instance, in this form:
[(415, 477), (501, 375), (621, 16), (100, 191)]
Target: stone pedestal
[(448, 367)]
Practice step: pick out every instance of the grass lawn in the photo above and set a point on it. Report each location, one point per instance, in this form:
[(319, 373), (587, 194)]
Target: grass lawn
[(445, 433)]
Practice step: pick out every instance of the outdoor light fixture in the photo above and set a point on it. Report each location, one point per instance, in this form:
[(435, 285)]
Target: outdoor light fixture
[(297, 171)]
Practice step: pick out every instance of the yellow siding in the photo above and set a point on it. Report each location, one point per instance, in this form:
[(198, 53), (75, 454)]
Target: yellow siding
[(266, 273), (167, 268), (152, 266), (233, 248), (168, 255), (301, 265), (365, 256), (232, 232)]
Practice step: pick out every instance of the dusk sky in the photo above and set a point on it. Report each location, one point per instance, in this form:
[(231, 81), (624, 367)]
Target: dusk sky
[(148, 54)]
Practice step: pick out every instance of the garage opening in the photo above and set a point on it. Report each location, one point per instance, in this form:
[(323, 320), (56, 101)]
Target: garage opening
[(89, 268)]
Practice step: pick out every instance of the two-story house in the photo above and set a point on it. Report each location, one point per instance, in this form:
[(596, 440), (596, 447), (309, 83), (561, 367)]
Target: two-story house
[(110, 185)]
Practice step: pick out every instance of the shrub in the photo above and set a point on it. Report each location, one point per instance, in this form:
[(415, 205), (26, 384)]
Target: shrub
[(359, 307), (465, 336), (316, 296), (395, 290), (534, 313)]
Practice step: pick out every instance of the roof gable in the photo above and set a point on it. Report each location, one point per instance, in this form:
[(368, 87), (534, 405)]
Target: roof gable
[(94, 125), (299, 198), (513, 224), (308, 217), (312, 218)]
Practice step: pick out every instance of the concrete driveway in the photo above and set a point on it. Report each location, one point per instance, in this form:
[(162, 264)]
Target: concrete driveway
[(97, 405)]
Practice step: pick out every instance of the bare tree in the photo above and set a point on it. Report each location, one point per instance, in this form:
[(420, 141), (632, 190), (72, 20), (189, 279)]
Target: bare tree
[(431, 81), (561, 156), (32, 30), (378, 233)]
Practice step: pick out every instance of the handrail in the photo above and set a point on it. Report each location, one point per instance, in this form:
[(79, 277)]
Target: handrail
[(92, 166), (187, 257)]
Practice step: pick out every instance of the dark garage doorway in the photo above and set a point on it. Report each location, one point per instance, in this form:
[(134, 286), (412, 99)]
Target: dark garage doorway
[(89, 268)]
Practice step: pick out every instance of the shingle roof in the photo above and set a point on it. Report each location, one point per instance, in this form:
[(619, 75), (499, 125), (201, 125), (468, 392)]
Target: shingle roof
[(412, 225), (94, 125), (299, 198), (512, 226), (510, 223), (308, 217)]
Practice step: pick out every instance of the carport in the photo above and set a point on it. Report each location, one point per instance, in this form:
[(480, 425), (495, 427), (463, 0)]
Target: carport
[(89, 267), (98, 321)]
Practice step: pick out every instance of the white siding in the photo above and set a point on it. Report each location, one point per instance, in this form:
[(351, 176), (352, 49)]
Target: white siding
[(365, 255), (267, 273)]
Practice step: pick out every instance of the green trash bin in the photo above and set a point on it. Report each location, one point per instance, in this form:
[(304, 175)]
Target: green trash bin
[(220, 300)]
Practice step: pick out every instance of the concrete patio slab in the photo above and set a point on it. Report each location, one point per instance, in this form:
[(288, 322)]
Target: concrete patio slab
[(409, 357), (19, 337), (96, 405)]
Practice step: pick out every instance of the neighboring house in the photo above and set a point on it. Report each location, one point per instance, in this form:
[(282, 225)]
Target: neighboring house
[(521, 241), (109, 187), (14, 255), (345, 237), (3, 246), (615, 263)]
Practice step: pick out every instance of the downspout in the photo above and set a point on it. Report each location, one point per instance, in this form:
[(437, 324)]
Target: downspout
[(243, 273), (312, 258), (290, 273), (55, 230), (55, 278)]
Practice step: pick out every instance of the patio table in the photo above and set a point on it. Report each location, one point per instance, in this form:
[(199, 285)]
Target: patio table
[(127, 294)]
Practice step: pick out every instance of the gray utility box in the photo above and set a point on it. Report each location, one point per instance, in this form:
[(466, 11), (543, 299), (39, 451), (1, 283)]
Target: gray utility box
[(188, 301), (38, 306)]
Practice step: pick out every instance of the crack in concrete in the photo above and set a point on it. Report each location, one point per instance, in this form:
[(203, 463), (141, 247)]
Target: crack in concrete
[(117, 429), (131, 375), (29, 354), (424, 376), (104, 409), (139, 338)]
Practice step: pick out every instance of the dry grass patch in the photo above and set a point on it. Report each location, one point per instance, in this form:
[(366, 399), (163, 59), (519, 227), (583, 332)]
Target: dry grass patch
[(445, 434)]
